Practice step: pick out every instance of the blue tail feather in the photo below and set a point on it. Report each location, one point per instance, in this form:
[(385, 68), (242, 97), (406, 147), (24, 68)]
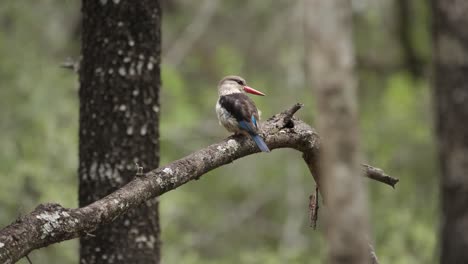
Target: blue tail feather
[(258, 140), (260, 143)]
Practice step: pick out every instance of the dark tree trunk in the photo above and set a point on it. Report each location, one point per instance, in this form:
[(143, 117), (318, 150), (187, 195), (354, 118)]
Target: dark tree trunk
[(405, 20), (450, 33), (119, 122)]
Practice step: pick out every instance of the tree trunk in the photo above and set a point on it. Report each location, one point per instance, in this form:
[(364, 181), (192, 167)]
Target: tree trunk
[(450, 34), (331, 61), (409, 54), (119, 122)]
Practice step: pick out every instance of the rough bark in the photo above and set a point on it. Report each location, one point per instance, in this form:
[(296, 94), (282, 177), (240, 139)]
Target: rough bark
[(330, 60), (119, 122), (451, 107), (51, 223)]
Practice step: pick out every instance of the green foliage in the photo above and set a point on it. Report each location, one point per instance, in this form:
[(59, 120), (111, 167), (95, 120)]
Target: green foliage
[(38, 109), (398, 138), (251, 211)]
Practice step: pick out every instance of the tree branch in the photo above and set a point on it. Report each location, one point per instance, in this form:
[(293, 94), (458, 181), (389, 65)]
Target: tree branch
[(379, 175), (51, 223)]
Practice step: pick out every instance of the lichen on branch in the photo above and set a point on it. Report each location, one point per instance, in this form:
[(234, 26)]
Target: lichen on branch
[(51, 223)]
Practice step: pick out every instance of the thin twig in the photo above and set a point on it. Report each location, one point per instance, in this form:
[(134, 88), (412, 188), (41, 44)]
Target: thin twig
[(379, 175), (89, 234), (373, 256), (71, 64), (314, 207), (29, 260), (288, 115), (139, 169)]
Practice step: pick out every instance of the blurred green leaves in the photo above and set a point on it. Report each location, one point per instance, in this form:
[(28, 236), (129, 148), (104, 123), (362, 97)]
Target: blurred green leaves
[(251, 211)]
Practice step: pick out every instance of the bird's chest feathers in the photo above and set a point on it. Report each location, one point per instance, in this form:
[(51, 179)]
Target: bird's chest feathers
[(226, 119)]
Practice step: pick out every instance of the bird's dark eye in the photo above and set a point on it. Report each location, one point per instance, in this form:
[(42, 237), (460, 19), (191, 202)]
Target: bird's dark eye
[(240, 82)]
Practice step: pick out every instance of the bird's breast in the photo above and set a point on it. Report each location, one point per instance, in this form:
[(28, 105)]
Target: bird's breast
[(226, 119)]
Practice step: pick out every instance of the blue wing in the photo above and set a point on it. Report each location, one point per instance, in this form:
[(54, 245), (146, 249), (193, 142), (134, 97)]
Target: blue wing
[(254, 121), (247, 126), (243, 109)]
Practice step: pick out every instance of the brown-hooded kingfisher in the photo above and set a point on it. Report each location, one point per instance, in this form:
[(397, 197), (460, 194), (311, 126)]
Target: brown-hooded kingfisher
[(236, 111)]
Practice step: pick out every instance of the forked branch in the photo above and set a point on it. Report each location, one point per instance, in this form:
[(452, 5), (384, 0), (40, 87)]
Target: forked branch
[(51, 223)]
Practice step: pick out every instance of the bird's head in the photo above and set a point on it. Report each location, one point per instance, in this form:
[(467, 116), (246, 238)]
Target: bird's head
[(234, 84)]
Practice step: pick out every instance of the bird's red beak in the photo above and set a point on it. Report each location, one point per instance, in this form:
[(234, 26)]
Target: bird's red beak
[(251, 90)]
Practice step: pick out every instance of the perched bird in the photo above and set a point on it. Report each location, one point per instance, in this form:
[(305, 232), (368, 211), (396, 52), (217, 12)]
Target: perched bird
[(236, 111)]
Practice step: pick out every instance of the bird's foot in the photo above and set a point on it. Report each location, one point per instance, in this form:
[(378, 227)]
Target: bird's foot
[(236, 134)]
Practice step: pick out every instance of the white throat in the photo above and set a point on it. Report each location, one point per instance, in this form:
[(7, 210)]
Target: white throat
[(228, 88)]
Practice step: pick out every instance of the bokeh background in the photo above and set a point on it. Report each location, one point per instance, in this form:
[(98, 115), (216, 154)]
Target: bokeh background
[(254, 210)]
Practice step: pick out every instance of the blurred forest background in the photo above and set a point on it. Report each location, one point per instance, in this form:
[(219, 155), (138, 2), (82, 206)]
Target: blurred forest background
[(254, 210)]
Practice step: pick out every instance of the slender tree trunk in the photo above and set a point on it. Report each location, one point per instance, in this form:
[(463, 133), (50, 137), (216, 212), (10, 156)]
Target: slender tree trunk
[(119, 122), (331, 61), (450, 34), (405, 19)]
